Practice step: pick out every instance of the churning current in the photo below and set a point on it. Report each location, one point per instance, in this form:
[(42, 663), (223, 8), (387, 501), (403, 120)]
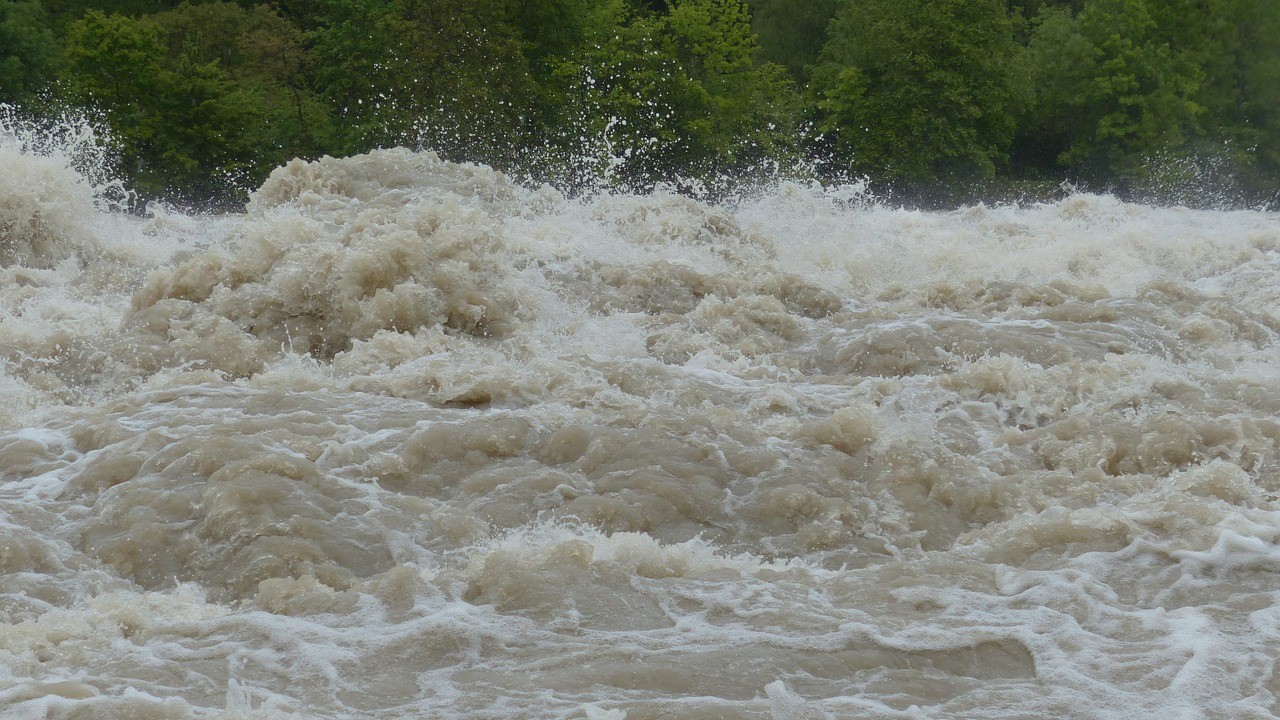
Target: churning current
[(409, 440)]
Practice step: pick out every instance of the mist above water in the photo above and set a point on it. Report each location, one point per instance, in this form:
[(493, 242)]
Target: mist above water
[(408, 439)]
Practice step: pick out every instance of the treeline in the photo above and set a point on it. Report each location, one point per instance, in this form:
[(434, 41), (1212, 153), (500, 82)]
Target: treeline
[(940, 100)]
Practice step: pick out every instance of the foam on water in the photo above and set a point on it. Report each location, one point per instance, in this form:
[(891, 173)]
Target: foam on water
[(407, 439)]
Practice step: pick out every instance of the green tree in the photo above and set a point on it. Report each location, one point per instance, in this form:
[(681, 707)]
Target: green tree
[(751, 107), (791, 32), (28, 49), (262, 54), (1237, 46), (76, 9), (353, 45), (917, 91), (553, 29), (449, 73), (1111, 89), (183, 127), (676, 92)]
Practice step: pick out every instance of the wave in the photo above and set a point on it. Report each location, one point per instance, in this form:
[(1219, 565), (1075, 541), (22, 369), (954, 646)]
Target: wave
[(409, 438)]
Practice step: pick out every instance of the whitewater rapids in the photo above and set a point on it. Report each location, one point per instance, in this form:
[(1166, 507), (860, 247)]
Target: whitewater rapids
[(409, 440)]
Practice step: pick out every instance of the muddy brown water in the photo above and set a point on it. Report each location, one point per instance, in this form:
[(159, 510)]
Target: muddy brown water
[(407, 440)]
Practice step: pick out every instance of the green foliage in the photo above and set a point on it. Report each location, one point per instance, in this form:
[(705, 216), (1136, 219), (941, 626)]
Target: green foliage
[(791, 32), (617, 88), (28, 49), (468, 78), (76, 9), (1112, 89), (748, 106), (353, 46), (918, 91), (262, 54), (677, 93), (553, 29), (448, 73), (183, 126), (205, 96), (1237, 45)]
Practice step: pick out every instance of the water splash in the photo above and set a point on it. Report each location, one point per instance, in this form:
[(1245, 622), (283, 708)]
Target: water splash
[(408, 437)]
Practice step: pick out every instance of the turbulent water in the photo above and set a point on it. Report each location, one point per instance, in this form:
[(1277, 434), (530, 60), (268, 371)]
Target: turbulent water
[(409, 440)]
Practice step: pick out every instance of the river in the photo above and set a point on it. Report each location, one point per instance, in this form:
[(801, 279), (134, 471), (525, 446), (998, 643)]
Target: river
[(407, 439)]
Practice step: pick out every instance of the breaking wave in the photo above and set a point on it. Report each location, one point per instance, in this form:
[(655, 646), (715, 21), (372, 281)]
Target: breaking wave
[(407, 438)]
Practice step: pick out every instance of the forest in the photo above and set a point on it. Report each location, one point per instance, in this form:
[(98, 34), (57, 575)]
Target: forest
[(933, 102)]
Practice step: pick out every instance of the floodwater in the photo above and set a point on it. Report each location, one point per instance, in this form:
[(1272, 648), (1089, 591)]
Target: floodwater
[(409, 440)]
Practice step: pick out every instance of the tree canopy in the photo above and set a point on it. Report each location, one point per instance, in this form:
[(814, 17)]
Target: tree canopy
[(28, 49), (933, 98), (917, 90)]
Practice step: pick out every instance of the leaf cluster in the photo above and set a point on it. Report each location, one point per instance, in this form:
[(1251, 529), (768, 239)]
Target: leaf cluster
[(936, 98)]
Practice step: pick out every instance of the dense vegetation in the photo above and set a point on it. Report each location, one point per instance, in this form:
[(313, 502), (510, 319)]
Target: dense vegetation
[(938, 100)]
